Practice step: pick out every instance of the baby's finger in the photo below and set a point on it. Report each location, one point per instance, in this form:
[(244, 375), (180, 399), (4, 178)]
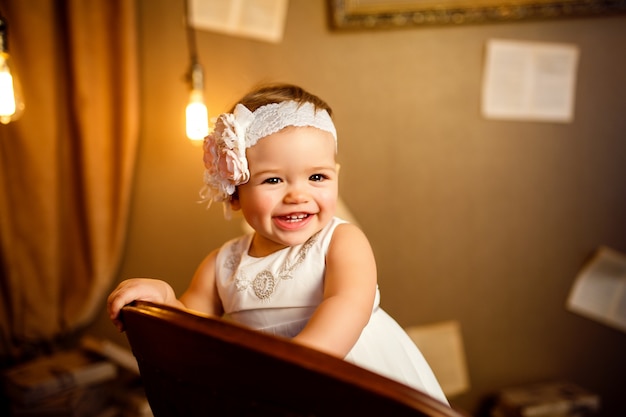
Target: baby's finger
[(118, 299)]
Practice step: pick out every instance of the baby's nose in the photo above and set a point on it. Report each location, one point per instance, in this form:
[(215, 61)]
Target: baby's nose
[(296, 194)]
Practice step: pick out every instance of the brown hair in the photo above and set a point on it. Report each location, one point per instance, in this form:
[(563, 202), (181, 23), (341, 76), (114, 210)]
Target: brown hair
[(277, 93)]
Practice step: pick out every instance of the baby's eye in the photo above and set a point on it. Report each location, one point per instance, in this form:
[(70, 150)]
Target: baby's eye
[(272, 180), (317, 177)]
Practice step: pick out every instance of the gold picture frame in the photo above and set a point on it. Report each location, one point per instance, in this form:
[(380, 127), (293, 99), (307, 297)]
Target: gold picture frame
[(388, 14)]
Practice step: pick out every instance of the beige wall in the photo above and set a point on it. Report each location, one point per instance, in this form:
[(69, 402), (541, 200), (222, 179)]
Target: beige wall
[(485, 222)]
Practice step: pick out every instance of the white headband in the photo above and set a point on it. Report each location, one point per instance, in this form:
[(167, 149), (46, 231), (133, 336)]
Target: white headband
[(225, 162), (272, 118)]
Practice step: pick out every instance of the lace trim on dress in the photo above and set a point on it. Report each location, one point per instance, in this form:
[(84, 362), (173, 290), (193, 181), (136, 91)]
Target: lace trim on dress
[(265, 282)]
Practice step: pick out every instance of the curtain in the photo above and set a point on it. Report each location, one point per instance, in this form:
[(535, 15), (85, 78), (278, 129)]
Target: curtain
[(66, 165)]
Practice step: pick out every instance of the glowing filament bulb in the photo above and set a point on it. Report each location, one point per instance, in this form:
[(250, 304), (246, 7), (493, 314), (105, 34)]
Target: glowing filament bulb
[(11, 104), (196, 112), (197, 116), (7, 92)]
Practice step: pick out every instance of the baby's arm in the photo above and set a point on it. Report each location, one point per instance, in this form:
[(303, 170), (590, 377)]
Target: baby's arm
[(349, 292), (201, 295), (145, 289)]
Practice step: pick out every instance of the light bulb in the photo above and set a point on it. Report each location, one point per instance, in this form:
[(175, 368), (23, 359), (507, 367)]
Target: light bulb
[(11, 104), (197, 115)]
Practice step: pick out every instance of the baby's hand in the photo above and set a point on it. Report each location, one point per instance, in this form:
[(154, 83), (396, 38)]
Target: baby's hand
[(144, 289)]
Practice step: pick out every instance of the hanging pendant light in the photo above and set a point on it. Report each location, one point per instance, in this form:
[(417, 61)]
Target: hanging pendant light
[(11, 103), (196, 113)]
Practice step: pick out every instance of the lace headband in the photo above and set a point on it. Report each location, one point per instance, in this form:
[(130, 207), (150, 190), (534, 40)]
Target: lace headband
[(225, 162)]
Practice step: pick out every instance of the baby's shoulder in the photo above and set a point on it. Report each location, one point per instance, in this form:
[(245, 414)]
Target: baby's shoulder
[(345, 234), (235, 246)]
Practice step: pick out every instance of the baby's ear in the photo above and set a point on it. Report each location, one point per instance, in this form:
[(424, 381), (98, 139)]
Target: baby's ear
[(234, 201), (235, 205)]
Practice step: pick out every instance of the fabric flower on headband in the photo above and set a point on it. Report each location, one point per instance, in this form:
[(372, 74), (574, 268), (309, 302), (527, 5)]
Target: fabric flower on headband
[(225, 161)]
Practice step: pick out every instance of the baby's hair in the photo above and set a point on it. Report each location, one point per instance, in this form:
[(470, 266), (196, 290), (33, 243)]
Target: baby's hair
[(277, 93)]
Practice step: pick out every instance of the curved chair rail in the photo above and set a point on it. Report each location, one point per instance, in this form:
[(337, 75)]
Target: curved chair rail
[(193, 365)]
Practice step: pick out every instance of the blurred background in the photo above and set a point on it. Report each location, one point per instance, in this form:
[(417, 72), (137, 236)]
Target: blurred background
[(484, 222)]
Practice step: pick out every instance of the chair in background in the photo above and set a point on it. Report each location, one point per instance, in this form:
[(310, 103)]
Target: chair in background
[(193, 365)]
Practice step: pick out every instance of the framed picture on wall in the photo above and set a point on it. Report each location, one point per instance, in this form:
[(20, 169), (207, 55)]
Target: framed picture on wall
[(388, 14)]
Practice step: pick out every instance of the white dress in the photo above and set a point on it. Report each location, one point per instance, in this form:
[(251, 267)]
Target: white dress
[(277, 294)]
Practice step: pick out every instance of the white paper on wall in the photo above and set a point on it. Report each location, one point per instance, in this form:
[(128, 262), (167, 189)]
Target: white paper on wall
[(529, 81), (442, 346), (599, 291), (257, 19)]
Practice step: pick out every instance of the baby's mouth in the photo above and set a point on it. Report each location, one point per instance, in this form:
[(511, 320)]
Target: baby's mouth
[(294, 218)]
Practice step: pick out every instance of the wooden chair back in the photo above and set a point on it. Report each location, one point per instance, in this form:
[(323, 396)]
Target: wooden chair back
[(199, 366)]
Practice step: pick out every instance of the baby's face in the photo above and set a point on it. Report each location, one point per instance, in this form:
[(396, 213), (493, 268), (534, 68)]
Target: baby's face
[(292, 191)]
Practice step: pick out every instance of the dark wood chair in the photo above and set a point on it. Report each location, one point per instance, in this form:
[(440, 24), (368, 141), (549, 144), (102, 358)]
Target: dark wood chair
[(199, 366)]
